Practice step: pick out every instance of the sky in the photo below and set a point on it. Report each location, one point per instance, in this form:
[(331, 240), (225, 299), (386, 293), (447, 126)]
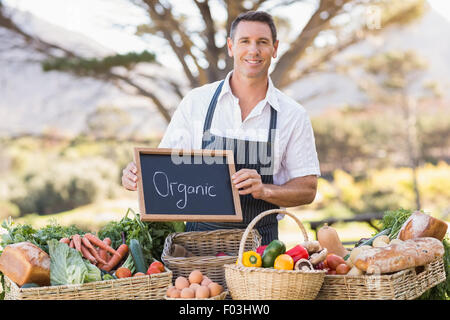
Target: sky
[(112, 23), (103, 21)]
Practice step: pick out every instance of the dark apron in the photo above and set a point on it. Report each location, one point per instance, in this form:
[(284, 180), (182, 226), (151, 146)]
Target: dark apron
[(249, 155)]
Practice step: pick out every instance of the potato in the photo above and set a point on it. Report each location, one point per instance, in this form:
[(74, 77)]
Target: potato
[(355, 272), (381, 241), (355, 252)]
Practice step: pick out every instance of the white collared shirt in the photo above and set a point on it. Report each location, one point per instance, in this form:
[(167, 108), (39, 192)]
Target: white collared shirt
[(295, 151)]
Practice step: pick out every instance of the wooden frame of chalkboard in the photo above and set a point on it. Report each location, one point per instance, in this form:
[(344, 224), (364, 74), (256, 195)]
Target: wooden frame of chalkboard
[(232, 214)]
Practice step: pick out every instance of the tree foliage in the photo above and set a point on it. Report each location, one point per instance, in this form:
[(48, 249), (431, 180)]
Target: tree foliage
[(97, 66)]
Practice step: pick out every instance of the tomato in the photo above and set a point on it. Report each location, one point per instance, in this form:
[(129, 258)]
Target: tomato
[(139, 274), (152, 270), (333, 260), (343, 268), (123, 272), (157, 264)]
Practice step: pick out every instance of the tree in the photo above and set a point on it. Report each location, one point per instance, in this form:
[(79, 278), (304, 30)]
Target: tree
[(203, 57), (393, 79)]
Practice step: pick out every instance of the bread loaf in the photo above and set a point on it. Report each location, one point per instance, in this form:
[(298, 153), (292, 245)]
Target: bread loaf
[(25, 262), (399, 256), (420, 225)]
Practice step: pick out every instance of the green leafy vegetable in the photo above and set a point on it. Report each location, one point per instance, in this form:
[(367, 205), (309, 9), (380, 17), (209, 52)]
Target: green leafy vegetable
[(66, 264), (93, 273), (107, 276), (68, 267), (151, 235), (40, 237), (394, 220)]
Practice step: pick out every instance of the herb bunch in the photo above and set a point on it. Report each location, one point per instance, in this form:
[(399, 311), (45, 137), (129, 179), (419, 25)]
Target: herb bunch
[(394, 220), (151, 235), (25, 232)]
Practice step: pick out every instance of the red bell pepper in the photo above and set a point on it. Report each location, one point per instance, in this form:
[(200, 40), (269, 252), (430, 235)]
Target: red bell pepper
[(260, 250), (298, 252)]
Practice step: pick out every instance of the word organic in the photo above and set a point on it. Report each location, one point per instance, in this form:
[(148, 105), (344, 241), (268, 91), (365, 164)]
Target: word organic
[(166, 188)]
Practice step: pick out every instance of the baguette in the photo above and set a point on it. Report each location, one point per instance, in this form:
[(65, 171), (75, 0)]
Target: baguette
[(421, 225), (399, 255)]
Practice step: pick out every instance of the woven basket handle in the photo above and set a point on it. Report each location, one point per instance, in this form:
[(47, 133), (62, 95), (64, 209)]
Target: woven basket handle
[(255, 221)]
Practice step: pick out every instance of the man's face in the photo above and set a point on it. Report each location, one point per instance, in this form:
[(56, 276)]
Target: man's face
[(252, 49)]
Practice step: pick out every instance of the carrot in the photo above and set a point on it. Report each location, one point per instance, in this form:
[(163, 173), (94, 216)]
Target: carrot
[(72, 245), (85, 252), (65, 240), (102, 252), (107, 241), (92, 250), (77, 241), (105, 256), (99, 264), (99, 243), (121, 252)]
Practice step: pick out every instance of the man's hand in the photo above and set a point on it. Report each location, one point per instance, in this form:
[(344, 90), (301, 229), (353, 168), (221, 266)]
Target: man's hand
[(250, 182), (295, 192), (129, 177)]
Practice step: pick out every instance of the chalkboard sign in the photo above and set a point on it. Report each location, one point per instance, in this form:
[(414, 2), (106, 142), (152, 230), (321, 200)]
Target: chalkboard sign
[(181, 185)]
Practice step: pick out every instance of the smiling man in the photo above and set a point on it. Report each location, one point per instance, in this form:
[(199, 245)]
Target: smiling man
[(270, 134)]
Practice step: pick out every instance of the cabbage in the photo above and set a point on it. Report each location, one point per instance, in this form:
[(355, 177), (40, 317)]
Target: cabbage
[(93, 273), (68, 267)]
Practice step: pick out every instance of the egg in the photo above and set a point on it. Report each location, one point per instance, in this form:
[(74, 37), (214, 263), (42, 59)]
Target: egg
[(194, 286), (175, 293), (187, 293), (215, 289), (169, 290), (181, 283), (202, 292), (206, 281), (196, 276)]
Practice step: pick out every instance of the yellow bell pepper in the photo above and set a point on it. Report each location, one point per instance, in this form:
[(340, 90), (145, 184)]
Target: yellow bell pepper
[(251, 259)]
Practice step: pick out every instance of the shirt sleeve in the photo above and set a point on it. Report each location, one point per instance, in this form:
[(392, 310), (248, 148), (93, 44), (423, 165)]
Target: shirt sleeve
[(301, 156), (178, 134)]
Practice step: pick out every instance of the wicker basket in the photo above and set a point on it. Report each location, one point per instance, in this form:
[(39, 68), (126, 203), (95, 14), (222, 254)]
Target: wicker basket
[(150, 287), (204, 245), (403, 285), (221, 296), (249, 283)]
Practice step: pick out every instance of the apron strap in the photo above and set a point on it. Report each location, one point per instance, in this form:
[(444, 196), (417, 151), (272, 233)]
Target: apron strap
[(273, 127), (212, 108)]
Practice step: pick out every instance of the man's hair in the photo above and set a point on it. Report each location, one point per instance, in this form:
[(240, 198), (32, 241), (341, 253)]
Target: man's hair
[(260, 16)]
